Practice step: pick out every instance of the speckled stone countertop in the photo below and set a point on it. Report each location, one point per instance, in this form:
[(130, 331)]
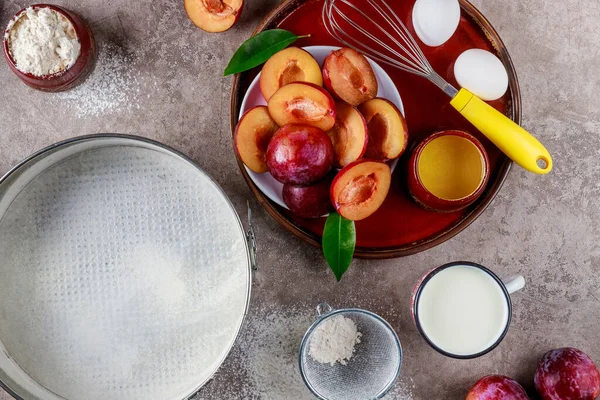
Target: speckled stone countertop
[(159, 76)]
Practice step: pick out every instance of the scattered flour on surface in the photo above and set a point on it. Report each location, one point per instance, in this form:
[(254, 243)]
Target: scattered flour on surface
[(113, 86), (264, 362), (334, 340), (42, 42)]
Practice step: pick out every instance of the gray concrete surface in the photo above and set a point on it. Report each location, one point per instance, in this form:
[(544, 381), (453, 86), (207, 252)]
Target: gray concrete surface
[(168, 86)]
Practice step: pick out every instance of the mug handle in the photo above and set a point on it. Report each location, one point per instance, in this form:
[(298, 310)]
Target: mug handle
[(514, 283)]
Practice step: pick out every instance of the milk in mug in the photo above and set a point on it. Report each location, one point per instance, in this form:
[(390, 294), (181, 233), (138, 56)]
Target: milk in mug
[(463, 310)]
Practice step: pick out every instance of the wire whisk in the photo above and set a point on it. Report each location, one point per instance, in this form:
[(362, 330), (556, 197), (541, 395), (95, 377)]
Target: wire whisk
[(407, 55), (373, 28)]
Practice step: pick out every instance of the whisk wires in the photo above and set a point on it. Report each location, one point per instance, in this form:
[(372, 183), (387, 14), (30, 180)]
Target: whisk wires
[(399, 49)]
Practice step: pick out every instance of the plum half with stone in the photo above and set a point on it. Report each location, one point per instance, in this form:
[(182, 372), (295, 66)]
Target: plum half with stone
[(309, 201), (299, 154), (349, 135), (303, 103), (252, 136), (349, 76), (567, 374), (388, 132), (287, 66), (360, 188), (497, 387), (214, 15)]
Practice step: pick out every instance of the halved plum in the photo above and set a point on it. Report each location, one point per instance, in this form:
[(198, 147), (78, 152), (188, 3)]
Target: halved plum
[(349, 76), (299, 154), (214, 15), (252, 136), (360, 188), (349, 135), (303, 103), (287, 66), (309, 201), (388, 133)]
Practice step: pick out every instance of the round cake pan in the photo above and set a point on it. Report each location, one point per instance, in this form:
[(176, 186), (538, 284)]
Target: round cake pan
[(125, 273)]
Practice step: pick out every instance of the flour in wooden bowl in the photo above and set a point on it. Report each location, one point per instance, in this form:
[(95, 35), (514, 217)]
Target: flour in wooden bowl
[(42, 41)]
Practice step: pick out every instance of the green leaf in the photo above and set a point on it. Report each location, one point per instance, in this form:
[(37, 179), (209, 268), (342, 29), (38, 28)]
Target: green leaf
[(339, 240), (259, 49)]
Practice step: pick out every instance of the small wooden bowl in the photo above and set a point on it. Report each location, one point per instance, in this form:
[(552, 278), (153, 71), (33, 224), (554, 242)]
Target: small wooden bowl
[(448, 171), (67, 78)]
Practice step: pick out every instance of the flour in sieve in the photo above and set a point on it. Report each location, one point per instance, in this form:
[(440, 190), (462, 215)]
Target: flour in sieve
[(113, 86), (264, 362), (334, 340)]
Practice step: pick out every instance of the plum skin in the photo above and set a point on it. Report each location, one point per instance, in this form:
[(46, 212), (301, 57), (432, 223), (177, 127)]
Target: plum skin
[(492, 386), (299, 154), (309, 201), (567, 374)]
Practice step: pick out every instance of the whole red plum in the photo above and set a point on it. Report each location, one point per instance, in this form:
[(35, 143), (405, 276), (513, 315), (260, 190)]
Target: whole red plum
[(497, 387), (309, 201), (567, 374), (299, 154)]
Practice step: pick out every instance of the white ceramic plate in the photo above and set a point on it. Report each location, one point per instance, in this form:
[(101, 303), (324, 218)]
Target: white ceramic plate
[(387, 90)]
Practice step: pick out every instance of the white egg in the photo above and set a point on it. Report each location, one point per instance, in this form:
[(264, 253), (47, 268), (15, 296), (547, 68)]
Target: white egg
[(435, 21), (481, 73)]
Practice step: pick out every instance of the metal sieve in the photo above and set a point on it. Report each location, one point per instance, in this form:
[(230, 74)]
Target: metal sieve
[(125, 273), (371, 371)]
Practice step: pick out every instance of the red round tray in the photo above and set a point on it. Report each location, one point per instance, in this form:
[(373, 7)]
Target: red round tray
[(400, 227)]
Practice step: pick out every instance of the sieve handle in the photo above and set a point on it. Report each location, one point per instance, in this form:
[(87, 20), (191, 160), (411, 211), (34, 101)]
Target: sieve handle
[(323, 309)]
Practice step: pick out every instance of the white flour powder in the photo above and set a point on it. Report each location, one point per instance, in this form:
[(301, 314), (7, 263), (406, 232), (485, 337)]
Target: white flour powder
[(333, 340), (43, 42), (264, 362), (112, 87)]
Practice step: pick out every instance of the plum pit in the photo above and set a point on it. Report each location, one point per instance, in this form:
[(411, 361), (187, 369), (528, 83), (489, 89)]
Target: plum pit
[(288, 66), (213, 15), (388, 133), (353, 74), (219, 8), (252, 136), (359, 190), (305, 109), (303, 103), (349, 135), (292, 73), (349, 76), (339, 136)]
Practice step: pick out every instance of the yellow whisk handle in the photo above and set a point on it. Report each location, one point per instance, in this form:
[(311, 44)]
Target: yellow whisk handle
[(514, 141)]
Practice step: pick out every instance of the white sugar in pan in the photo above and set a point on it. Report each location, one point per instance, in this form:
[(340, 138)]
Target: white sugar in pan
[(124, 273)]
